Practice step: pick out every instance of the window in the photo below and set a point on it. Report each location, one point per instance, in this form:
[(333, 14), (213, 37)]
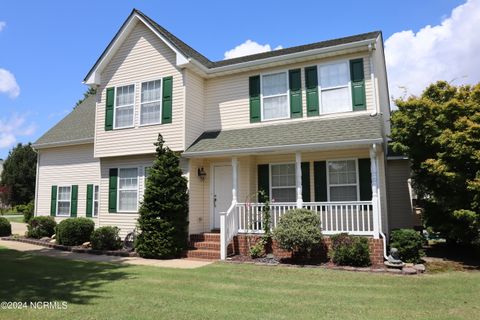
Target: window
[(151, 103), (95, 201), (335, 87), (283, 182), (128, 189), (275, 96), (124, 106), (342, 180), (63, 201)]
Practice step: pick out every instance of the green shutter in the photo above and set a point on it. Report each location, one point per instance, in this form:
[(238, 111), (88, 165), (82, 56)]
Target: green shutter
[(112, 190), (365, 176), (109, 102), (320, 175), (311, 85), (254, 90), (306, 181), (295, 93), (358, 84), (53, 201), (89, 204), (74, 201), (167, 100), (263, 181)]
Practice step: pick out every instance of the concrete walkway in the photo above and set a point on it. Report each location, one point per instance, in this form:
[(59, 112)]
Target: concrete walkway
[(19, 228), (49, 252)]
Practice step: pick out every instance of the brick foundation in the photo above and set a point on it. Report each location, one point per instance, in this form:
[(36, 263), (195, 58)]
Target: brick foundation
[(240, 246)]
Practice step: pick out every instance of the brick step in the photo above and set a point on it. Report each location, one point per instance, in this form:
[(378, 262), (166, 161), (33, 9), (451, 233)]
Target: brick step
[(208, 236), (204, 254), (209, 245)]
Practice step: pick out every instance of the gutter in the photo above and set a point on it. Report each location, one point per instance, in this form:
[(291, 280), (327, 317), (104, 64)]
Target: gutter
[(62, 143)]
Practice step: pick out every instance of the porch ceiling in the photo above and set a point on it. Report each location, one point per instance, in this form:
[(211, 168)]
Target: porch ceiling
[(361, 129)]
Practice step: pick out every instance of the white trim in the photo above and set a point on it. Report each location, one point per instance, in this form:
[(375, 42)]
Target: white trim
[(142, 103), (357, 177), (93, 201), (69, 201), (63, 143), (115, 127), (118, 189), (348, 85), (262, 119), (37, 177)]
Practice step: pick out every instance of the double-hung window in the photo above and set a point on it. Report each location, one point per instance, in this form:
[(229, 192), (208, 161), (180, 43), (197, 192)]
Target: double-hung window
[(151, 102), (128, 189), (283, 182), (275, 96), (342, 180), (95, 200), (335, 92), (64, 201), (124, 106)]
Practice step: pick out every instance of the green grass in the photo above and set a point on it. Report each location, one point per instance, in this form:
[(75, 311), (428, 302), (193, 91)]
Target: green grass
[(14, 218), (229, 291)]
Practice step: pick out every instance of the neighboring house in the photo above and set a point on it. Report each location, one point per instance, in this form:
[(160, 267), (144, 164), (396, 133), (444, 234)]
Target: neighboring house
[(306, 124)]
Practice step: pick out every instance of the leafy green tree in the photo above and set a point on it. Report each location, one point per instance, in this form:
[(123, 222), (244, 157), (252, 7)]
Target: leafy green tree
[(90, 92), (18, 175), (440, 133), (163, 217)]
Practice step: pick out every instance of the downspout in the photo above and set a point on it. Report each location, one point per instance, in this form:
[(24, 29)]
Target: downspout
[(380, 224), (35, 209)]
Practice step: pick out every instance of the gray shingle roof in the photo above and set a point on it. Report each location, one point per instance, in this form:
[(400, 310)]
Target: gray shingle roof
[(77, 127), (358, 129)]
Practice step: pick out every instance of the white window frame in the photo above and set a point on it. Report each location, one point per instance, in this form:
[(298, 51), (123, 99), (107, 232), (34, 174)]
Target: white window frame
[(142, 103), (357, 185), (276, 95), (270, 184), (349, 86), (96, 186), (69, 201), (115, 107), (118, 190)]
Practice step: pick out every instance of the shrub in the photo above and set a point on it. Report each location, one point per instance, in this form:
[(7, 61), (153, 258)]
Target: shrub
[(350, 250), (26, 210), (39, 227), (258, 249), (409, 244), (74, 231), (5, 227), (106, 238), (298, 231)]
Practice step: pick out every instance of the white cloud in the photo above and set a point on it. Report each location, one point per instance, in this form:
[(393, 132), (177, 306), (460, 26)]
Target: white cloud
[(13, 127), (448, 51), (247, 48), (8, 84), (3, 24)]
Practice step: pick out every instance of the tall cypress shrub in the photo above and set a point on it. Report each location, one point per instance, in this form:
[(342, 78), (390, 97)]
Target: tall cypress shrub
[(163, 220)]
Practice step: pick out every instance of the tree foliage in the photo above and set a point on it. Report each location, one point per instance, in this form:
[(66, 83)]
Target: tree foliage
[(18, 176), (91, 91), (163, 217), (440, 133)]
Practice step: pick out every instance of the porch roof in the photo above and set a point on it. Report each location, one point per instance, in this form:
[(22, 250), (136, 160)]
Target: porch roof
[(361, 129)]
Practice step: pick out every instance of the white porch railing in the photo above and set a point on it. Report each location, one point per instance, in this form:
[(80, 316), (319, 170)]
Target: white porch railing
[(228, 227)]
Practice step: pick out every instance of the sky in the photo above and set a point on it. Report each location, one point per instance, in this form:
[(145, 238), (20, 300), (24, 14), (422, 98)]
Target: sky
[(47, 47)]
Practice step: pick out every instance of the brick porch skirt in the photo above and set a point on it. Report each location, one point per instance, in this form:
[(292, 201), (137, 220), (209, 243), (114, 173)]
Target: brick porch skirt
[(240, 247)]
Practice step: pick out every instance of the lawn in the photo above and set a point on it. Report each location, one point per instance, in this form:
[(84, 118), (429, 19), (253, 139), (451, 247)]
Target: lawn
[(14, 218), (229, 291)]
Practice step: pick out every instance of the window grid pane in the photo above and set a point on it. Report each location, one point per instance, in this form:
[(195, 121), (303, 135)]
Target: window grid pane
[(95, 201), (275, 98), (342, 178), (151, 102), (283, 182), (335, 89), (124, 108), (128, 189)]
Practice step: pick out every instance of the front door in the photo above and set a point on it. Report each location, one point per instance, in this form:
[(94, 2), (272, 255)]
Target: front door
[(222, 192)]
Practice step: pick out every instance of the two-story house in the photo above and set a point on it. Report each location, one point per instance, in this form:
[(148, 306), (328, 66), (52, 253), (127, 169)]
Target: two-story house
[(307, 125)]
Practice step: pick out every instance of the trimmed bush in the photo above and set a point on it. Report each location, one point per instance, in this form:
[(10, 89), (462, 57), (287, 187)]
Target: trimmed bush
[(298, 231), (106, 238), (5, 227), (26, 210), (40, 227), (74, 231), (409, 244), (350, 250)]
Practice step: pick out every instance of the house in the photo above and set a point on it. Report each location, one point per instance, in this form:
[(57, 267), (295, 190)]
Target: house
[(306, 124)]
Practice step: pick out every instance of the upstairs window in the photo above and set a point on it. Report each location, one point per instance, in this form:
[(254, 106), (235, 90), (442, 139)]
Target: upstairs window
[(283, 182), (124, 106), (275, 96), (335, 89), (342, 180), (151, 103)]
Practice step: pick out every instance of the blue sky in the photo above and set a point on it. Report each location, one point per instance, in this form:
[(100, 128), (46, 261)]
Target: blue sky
[(47, 47)]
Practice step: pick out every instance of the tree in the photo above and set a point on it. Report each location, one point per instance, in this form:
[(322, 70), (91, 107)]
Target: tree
[(163, 217), (19, 171), (440, 133), (90, 91)]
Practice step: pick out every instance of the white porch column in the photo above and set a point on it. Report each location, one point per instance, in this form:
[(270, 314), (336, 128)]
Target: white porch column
[(374, 177), (298, 179), (234, 179)]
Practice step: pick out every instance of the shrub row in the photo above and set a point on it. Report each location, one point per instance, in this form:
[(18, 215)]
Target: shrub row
[(5, 227)]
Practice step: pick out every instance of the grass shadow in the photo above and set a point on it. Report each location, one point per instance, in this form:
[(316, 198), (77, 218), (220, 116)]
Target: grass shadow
[(457, 257)]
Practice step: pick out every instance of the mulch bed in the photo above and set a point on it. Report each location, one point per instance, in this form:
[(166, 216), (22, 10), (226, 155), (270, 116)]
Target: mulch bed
[(76, 249)]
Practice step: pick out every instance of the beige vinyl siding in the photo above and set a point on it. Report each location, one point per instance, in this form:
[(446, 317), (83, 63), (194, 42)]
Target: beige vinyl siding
[(66, 166), (227, 97), (400, 211), (125, 221), (142, 57), (194, 106)]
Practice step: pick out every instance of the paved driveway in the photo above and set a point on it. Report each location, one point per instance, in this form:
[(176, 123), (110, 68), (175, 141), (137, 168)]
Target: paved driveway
[(19, 228)]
